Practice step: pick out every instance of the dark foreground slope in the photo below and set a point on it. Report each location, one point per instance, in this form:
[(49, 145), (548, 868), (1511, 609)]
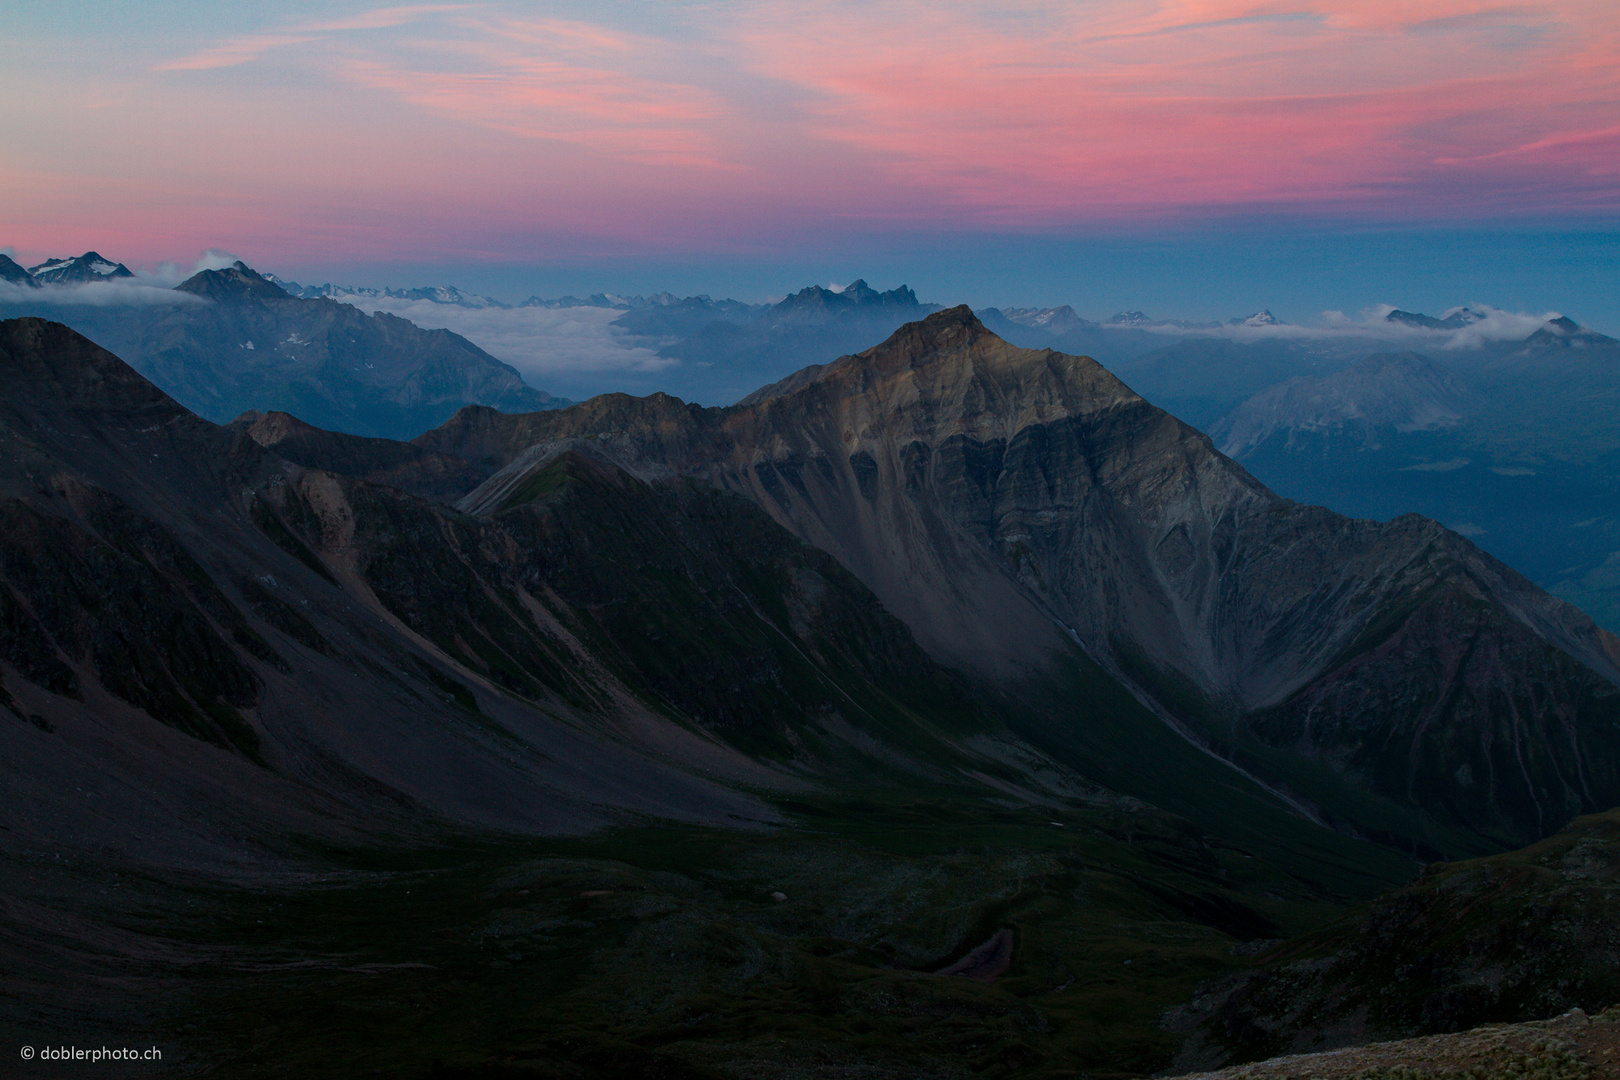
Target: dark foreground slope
[(1009, 503), (1572, 1046), (1506, 939)]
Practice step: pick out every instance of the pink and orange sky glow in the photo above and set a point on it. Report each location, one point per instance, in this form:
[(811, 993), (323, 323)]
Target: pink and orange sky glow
[(459, 134)]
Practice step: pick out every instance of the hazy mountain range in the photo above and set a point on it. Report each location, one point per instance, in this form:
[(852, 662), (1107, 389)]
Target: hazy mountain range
[(1495, 424), (226, 341)]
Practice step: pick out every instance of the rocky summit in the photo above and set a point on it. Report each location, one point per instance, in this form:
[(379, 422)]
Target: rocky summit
[(1012, 505)]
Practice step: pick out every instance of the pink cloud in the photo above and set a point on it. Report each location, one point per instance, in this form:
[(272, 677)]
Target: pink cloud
[(704, 124), (1196, 104)]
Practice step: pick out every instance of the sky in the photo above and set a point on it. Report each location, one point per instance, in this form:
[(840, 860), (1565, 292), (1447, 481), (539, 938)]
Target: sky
[(1199, 158)]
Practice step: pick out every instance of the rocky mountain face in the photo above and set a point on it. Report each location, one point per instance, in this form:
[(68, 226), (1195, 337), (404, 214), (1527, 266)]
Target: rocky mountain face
[(187, 620), (86, 268), (245, 344), (232, 284), (377, 461), (284, 739), (15, 274), (1005, 503)]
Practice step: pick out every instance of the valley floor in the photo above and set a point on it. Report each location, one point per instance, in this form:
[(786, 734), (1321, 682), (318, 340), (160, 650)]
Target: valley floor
[(869, 940)]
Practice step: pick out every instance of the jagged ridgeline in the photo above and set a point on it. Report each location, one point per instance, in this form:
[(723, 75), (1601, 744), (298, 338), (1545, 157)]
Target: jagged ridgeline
[(940, 537), (945, 603), (1029, 517)]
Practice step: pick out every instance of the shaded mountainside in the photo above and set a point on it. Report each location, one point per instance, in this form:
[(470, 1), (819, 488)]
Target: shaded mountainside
[(300, 765), (162, 618), (1403, 392), (250, 708), (10, 271), (245, 344), (1005, 503), (1514, 444), (1506, 939), (156, 560), (379, 461)]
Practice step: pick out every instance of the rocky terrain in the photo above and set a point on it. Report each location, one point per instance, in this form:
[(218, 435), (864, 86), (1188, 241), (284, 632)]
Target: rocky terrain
[(948, 693), (1008, 504), (1573, 1046)]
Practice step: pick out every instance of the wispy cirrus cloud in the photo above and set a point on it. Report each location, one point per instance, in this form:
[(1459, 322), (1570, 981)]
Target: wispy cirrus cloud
[(250, 47), (573, 81)]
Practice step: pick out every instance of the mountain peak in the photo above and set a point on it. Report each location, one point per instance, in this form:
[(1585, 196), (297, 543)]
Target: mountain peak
[(814, 301), (234, 283), (14, 273), (1455, 319), (91, 266), (1263, 317)]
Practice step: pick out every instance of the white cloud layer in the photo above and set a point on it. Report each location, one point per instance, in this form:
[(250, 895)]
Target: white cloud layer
[(169, 274), (1493, 325), (537, 341), (122, 293)]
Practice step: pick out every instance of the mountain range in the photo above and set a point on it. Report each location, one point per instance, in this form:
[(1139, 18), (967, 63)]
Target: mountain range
[(1506, 437), (231, 341), (81, 270), (812, 645), (1528, 469), (1039, 503)]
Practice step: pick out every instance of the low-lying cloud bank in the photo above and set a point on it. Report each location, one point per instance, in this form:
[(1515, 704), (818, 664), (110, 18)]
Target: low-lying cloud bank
[(1490, 325), (537, 341), (100, 294)]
